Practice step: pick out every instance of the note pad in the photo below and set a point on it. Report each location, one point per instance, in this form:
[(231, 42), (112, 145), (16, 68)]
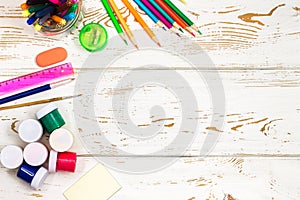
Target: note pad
[(97, 184)]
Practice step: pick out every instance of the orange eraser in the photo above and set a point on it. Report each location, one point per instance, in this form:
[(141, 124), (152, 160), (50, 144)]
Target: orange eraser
[(51, 56)]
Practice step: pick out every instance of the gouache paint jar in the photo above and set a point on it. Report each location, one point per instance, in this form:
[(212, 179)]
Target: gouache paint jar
[(30, 130), (11, 157), (64, 161), (34, 175), (50, 118), (61, 140), (35, 154)]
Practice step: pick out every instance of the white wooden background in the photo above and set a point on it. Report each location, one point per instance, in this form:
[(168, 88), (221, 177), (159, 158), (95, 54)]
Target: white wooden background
[(255, 46)]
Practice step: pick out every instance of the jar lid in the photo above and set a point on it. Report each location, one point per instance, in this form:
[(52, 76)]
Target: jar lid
[(39, 178), (61, 140), (11, 157), (93, 37), (35, 154), (52, 161), (30, 130), (46, 110)]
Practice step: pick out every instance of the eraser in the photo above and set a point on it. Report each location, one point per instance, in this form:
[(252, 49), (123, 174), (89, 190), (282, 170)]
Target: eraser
[(51, 56)]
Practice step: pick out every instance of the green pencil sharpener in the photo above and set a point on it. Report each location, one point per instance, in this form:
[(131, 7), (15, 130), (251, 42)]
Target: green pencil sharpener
[(93, 37), (50, 117)]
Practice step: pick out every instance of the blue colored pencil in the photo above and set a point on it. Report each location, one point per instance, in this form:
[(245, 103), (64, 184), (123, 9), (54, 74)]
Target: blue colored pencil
[(165, 14), (149, 13)]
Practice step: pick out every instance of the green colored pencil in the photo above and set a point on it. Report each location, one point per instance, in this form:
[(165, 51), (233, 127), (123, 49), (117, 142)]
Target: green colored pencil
[(183, 16), (114, 20)]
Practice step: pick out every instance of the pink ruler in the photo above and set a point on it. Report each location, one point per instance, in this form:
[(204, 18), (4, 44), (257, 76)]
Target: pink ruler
[(36, 78)]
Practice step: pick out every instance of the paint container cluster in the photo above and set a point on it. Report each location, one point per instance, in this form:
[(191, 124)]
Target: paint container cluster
[(35, 162), (51, 17)]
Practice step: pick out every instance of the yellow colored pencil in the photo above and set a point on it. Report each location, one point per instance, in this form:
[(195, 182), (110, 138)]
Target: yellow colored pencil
[(123, 22), (140, 20), (183, 1)]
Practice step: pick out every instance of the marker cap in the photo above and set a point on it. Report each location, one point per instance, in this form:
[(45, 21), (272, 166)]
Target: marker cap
[(27, 172), (61, 140), (52, 161), (50, 118), (30, 130), (11, 157), (66, 161), (35, 154), (39, 178), (93, 37)]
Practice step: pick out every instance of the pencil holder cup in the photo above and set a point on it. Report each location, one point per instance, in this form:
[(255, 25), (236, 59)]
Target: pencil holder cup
[(58, 22)]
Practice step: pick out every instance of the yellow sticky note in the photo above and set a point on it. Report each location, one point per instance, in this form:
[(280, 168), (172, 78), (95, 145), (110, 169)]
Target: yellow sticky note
[(97, 184)]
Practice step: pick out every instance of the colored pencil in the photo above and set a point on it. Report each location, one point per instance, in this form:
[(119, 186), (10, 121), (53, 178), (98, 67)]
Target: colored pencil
[(159, 16), (183, 16), (149, 13), (183, 1), (170, 19), (123, 22), (140, 20), (33, 91), (172, 14), (114, 20)]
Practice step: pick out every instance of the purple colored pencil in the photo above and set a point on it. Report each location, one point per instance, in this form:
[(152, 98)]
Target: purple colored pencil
[(158, 15)]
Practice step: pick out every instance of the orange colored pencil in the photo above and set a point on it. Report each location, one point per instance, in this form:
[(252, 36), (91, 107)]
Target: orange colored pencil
[(172, 14), (140, 20), (123, 22)]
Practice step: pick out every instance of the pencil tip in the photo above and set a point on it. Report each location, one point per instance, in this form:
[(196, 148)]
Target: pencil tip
[(159, 44), (126, 42), (178, 34), (137, 47), (181, 30), (199, 32), (164, 28), (193, 34)]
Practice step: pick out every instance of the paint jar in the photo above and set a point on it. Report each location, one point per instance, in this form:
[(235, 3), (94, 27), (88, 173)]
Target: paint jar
[(61, 140), (65, 161), (50, 118), (11, 157), (34, 175), (35, 154), (30, 130)]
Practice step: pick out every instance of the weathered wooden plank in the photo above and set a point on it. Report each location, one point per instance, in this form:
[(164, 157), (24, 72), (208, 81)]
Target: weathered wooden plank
[(260, 118), (234, 34), (187, 178)]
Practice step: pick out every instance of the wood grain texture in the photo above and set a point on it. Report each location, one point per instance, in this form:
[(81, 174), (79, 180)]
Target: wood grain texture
[(255, 47)]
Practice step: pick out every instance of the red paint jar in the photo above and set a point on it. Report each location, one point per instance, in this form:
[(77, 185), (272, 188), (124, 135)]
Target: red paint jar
[(62, 161)]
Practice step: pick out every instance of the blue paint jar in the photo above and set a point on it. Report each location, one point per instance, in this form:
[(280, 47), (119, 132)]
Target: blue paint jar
[(34, 175)]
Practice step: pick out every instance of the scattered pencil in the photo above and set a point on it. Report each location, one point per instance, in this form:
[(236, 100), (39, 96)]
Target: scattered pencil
[(140, 20), (123, 23), (165, 14), (114, 20), (182, 15), (150, 14), (172, 14)]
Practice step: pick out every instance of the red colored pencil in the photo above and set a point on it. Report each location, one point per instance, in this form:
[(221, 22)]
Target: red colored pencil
[(172, 14)]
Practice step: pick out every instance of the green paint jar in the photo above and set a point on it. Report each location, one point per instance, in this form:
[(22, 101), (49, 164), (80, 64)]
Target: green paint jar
[(50, 118)]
